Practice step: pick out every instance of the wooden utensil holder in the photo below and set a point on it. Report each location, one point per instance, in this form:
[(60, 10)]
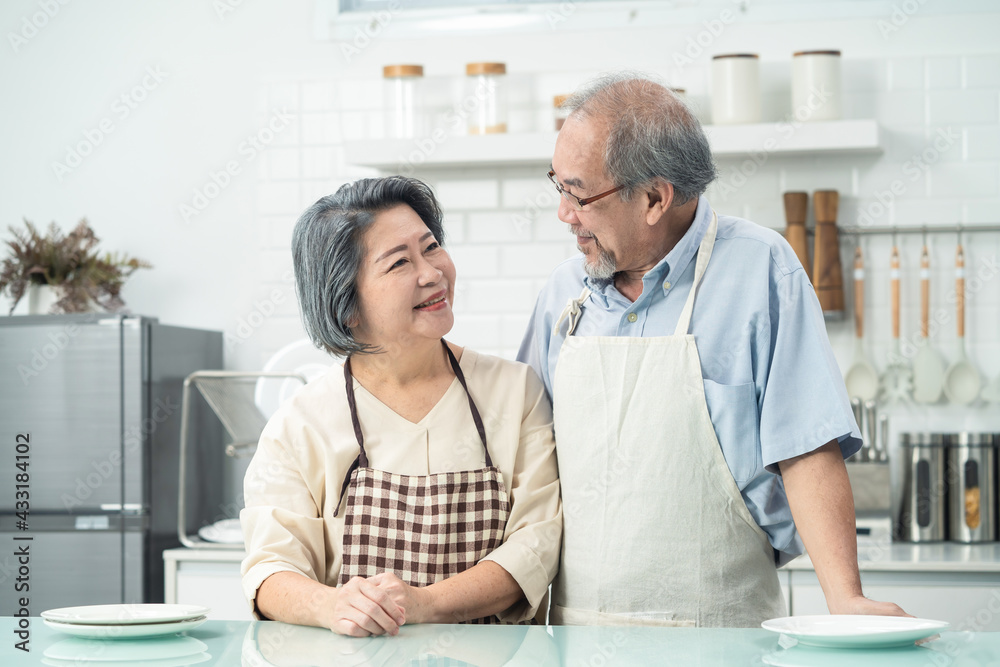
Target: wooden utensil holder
[(827, 271), (796, 209)]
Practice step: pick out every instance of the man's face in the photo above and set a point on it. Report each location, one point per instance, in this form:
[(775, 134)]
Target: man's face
[(607, 230)]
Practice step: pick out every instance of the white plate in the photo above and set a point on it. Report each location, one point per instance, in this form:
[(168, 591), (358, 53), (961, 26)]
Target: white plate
[(125, 614), (125, 631), (156, 650), (300, 357), (226, 531), (855, 631)]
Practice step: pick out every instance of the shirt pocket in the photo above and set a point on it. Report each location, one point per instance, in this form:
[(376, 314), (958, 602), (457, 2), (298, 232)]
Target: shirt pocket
[(733, 409)]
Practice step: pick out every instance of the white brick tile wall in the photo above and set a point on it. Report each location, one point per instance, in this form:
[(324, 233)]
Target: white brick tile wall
[(982, 211), (361, 94), (906, 74), (982, 71), (962, 106), (470, 194), (975, 179), (454, 228), (982, 142), (901, 109), (498, 227), (944, 73), (321, 128), (317, 162), (476, 331), (548, 227), (278, 198), (528, 194), (534, 259), (355, 125), (500, 296), (318, 96), (475, 261), (283, 163), (913, 212), (283, 95), (512, 328)]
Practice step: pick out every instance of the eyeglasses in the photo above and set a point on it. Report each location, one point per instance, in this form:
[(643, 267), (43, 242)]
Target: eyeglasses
[(575, 201)]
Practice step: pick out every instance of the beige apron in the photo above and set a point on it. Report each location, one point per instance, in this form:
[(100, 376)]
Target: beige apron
[(655, 529)]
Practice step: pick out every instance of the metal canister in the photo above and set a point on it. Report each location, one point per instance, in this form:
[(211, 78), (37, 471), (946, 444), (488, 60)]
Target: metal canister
[(973, 487), (924, 510)]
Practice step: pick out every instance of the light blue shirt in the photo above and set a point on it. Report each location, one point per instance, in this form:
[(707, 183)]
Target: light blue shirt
[(773, 387)]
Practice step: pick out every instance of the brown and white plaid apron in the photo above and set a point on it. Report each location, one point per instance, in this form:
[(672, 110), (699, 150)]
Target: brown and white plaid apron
[(422, 528)]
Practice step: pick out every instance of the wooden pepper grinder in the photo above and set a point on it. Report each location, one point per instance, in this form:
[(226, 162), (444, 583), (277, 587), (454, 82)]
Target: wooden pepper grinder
[(796, 208), (827, 273)]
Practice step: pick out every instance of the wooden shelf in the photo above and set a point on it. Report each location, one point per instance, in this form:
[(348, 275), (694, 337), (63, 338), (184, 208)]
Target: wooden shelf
[(728, 141)]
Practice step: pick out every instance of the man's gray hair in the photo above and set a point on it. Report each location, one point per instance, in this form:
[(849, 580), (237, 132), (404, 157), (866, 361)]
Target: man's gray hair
[(328, 248), (652, 134)]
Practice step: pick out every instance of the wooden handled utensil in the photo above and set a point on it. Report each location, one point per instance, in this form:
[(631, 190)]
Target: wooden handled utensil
[(897, 380), (928, 367), (861, 379), (827, 273), (796, 209), (961, 381)]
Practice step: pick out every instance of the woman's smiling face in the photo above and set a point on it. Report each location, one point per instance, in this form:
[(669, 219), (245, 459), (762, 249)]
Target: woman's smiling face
[(406, 286)]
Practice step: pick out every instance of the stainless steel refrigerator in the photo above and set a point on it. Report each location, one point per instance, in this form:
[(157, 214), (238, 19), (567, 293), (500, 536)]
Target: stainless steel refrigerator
[(92, 406)]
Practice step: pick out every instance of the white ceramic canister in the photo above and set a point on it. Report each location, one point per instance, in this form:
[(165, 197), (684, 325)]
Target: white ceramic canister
[(735, 88), (403, 113), (816, 85), (486, 94)]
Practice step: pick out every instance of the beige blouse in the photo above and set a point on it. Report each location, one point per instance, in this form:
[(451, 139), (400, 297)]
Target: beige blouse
[(293, 484)]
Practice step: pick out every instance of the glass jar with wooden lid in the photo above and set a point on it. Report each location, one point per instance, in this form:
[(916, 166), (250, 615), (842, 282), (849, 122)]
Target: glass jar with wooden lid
[(403, 102), (486, 97)]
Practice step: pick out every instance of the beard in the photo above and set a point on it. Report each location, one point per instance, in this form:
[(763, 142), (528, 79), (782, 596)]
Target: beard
[(603, 267)]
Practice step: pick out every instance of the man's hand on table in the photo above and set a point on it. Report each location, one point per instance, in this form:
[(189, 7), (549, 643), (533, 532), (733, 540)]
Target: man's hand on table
[(861, 605), (414, 601)]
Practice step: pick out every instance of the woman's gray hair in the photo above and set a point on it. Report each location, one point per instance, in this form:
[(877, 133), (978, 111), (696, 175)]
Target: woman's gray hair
[(652, 134), (328, 249)]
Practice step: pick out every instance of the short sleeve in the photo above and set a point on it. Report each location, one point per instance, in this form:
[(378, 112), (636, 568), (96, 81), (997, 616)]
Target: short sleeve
[(533, 536), (282, 524), (803, 404), (534, 349)]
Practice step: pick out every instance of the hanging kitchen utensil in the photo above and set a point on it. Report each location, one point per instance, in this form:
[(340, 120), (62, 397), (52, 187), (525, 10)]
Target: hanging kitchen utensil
[(928, 367), (858, 409), (897, 380), (796, 209), (827, 273), (991, 392), (861, 378), (961, 381)]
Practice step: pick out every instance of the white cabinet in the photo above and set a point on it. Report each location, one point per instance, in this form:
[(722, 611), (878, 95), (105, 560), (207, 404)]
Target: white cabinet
[(207, 577)]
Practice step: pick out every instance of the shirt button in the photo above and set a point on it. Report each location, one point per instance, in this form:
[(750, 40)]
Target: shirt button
[(632, 317), (666, 284)]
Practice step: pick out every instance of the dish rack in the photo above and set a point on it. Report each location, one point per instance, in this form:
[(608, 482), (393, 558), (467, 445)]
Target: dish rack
[(231, 396)]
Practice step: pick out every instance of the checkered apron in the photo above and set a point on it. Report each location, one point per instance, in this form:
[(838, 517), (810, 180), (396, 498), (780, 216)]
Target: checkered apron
[(421, 528)]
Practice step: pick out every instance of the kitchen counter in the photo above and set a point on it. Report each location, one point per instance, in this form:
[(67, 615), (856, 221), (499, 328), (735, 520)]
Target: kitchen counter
[(905, 557), (258, 644)]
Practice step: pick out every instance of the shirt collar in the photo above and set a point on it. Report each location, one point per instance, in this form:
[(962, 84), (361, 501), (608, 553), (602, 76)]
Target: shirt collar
[(674, 263)]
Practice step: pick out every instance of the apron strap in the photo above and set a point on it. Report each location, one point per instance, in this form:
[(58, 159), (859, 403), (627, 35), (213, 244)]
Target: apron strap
[(362, 460), (472, 404), (573, 311), (704, 254)]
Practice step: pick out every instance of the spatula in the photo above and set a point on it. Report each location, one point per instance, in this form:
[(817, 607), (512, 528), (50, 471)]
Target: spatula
[(961, 381), (897, 380), (928, 367), (861, 379)]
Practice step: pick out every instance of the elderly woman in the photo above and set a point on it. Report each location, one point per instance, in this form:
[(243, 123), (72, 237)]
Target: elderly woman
[(417, 483)]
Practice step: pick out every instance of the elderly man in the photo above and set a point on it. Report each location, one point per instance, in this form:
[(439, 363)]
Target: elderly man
[(698, 407)]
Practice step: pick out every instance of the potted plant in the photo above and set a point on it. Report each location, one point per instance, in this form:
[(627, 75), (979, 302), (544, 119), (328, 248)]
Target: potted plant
[(69, 265)]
